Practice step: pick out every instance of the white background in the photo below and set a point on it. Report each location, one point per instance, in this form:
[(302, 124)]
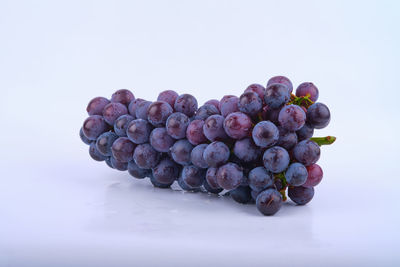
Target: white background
[(60, 208)]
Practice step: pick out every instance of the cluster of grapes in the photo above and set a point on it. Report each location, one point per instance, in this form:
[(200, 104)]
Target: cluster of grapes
[(251, 147)]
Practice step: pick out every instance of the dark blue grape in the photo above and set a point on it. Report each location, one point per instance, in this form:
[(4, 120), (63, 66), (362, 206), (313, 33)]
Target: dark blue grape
[(194, 132), (104, 143), (256, 88), (161, 140), (265, 134), (237, 125), (246, 150), (276, 159), (196, 156), (118, 165), (282, 80), (318, 116), (276, 95), (136, 171), (296, 174), (260, 179), (250, 103), (292, 117), (122, 149), (94, 126), (166, 171), (121, 124), (123, 96), (187, 104), (241, 194), (145, 156), (210, 189), (307, 88), (301, 195), (278, 184), (213, 102), (228, 105), (168, 96), (185, 187), (193, 176), (94, 153), (96, 105), (315, 175), (113, 111), (213, 128), (138, 131), (158, 113), (287, 139), (133, 105), (108, 162), (269, 201), (216, 154), (141, 110), (211, 177), (229, 176), (181, 150), (159, 185), (206, 111), (305, 132), (307, 152), (83, 137), (177, 124)]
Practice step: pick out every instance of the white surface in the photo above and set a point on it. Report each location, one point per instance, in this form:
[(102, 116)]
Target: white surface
[(60, 208)]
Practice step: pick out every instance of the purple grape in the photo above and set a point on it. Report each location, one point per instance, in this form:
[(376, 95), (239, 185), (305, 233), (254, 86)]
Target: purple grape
[(94, 126), (210, 189), (256, 88), (211, 177), (292, 117), (269, 201), (145, 156), (160, 140), (213, 128), (137, 172), (185, 187), (265, 134), (318, 115), (276, 159), (206, 111), (113, 111), (254, 194), (141, 110), (250, 103), (96, 105), (287, 139), (121, 124), (276, 95), (216, 154), (196, 156), (181, 150), (278, 184), (315, 175), (194, 132), (260, 179), (187, 104), (307, 152), (305, 132), (301, 195), (193, 176), (270, 114), (159, 185), (168, 96), (246, 150), (104, 143), (213, 102), (282, 80), (118, 165), (108, 162), (237, 125), (133, 105), (229, 176), (122, 149), (166, 172), (177, 124), (296, 174), (138, 131), (307, 88), (94, 153), (83, 137), (228, 105), (241, 194), (123, 96), (158, 113)]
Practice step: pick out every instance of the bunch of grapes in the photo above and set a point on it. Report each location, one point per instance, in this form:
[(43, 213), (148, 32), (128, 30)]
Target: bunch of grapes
[(254, 148)]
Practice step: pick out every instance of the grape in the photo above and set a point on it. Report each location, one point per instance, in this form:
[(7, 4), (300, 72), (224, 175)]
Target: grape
[(193, 176), (305, 132), (122, 149), (246, 150), (269, 201), (206, 111), (213, 102), (287, 139), (181, 150), (94, 153), (210, 189), (96, 105), (301, 195), (318, 115), (307, 152), (83, 137), (158, 113), (159, 185), (141, 110), (254, 194), (138, 131), (166, 172), (133, 105), (196, 156), (118, 165), (278, 184), (213, 128), (113, 111), (292, 117), (177, 124), (307, 88), (250, 103), (237, 125), (315, 175), (104, 143), (229, 176), (187, 104), (228, 105), (211, 177), (121, 124), (94, 126), (276, 159), (270, 114), (108, 162), (282, 80), (265, 134), (194, 132), (260, 179), (145, 156), (241, 194), (168, 96), (276, 95), (185, 187), (296, 174), (137, 172), (256, 88), (216, 154), (123, 96), (160, 140)]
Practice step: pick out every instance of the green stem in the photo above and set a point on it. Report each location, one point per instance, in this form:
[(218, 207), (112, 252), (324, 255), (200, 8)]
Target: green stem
[(327, 140)]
